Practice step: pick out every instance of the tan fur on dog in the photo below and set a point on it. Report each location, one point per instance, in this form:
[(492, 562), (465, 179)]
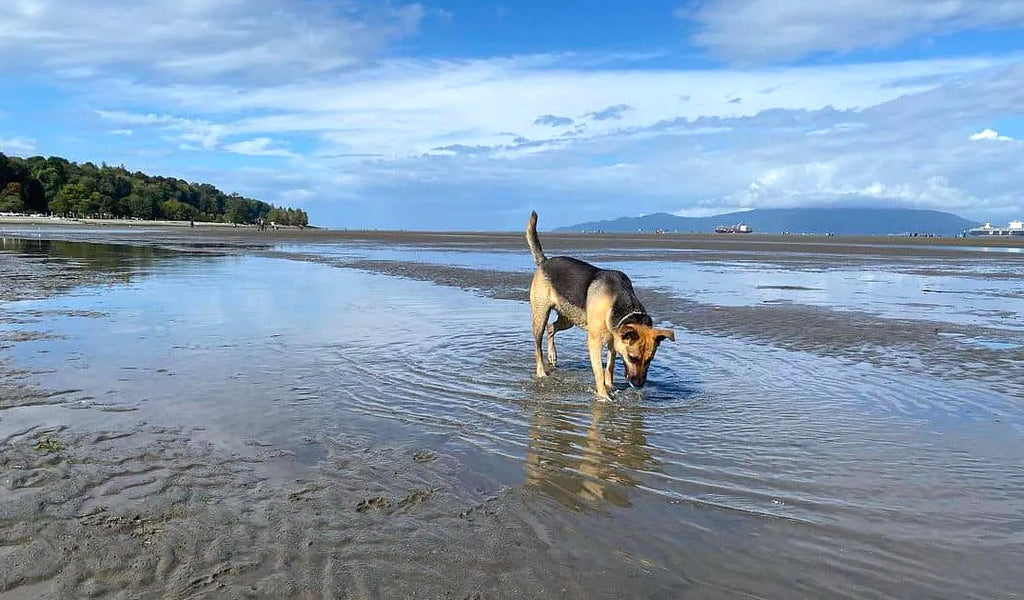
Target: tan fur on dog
[(635, 342)]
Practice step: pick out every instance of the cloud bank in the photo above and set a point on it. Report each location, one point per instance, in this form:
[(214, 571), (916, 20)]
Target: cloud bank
[(302, 103), (762, 31)]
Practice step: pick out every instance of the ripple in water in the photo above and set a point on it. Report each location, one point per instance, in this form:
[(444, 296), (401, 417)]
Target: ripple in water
[(752, 468)]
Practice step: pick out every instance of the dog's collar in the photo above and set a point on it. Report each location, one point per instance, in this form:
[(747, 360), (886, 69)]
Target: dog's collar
[(623, 319)]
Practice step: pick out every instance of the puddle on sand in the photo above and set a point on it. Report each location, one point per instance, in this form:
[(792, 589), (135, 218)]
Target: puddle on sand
[(982, 342), (742, 469)]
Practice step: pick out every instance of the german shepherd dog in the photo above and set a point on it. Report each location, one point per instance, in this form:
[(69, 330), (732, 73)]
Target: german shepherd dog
[(599, 301)]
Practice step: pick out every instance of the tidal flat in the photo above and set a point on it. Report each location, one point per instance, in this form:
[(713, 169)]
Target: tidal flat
[(235, 413)]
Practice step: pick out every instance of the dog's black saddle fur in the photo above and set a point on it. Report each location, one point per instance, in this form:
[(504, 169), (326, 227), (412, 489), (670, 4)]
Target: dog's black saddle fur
[(572, 279)]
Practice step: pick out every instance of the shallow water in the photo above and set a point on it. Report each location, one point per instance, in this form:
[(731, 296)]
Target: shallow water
[(985, 292), (745, 468)]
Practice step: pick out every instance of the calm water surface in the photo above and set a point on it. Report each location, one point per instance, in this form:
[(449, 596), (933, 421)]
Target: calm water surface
[(743, 467)]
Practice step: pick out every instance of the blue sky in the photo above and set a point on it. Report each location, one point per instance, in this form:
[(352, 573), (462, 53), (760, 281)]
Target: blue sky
[(465, 115)]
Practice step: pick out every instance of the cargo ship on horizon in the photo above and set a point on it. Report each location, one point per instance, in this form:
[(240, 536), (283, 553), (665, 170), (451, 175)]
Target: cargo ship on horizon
[(738, 228), (1014, 228)]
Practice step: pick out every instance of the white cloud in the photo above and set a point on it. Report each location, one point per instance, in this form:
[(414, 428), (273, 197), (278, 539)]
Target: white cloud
[(196, 133), (989, 134), (194, 40), (411, 108), (907, 151), (17, 145), (124, 132), (761, 31), (261, 146), (128, 118), (434, 142), (296, 196)]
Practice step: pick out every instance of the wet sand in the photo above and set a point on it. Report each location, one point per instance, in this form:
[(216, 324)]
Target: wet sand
[(364, 427), (130, 509)]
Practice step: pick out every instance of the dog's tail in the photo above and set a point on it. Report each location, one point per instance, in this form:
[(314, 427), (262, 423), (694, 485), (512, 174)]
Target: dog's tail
[(534, 241)]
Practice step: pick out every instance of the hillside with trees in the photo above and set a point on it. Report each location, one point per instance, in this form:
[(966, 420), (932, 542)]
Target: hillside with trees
[(60, 187)]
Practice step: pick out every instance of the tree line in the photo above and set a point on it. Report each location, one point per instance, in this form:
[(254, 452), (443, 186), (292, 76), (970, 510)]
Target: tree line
[(60, 187)]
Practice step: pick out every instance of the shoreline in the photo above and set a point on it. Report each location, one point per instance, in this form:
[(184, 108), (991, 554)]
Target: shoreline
[(580, 240), (139, 223), (600, 247)]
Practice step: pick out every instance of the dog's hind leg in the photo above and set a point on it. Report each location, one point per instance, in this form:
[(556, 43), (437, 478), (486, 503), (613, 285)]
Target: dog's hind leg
[(560, 324), (540, 320)]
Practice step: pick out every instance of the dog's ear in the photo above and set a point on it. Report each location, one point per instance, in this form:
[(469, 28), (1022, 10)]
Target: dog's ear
[(665, 334), (629, 334)]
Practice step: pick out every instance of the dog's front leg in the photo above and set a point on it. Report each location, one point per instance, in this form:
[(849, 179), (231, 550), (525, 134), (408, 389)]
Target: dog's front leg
[(594, 346), (609, 369)]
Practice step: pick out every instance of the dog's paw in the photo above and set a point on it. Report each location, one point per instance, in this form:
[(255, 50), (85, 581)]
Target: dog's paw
[(542, 372)]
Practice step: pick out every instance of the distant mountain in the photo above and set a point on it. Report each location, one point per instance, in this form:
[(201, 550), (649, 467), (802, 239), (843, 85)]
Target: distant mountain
[(840, 221)]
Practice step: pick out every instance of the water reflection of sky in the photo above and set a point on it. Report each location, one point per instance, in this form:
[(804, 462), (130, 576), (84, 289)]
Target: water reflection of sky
[(962, 300), (890, 290)]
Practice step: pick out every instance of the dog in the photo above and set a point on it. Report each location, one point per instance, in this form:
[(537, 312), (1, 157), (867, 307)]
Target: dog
[(599, 301)]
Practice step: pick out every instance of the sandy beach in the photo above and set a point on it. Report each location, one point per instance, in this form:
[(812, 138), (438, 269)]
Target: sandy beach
[(230, 413)]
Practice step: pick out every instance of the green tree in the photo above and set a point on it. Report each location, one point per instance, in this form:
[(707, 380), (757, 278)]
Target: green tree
[(59, 206), (62, 187), (141, 207), (69, 199), (34, 195), (89, 205), (10, 198), (53, 176), (238, 211), (8, 171), (178, 211)]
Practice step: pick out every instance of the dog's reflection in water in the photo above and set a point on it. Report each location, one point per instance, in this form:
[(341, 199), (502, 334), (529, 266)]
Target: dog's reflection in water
[(585, 455)]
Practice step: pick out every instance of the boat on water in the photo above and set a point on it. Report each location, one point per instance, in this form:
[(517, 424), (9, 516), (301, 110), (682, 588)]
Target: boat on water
[(1014, 228), (738, 228)]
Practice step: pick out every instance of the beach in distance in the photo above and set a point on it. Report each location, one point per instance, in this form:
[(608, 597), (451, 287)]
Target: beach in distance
[(512, 240), (216, 411)]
